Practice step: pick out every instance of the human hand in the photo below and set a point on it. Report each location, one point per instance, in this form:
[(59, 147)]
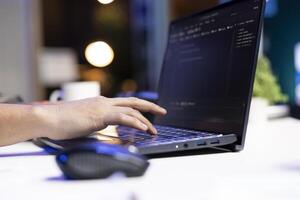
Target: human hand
[(75, 119)]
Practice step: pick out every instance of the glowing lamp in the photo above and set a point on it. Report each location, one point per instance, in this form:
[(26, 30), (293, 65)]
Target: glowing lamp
[(99, 54), (105, 1)]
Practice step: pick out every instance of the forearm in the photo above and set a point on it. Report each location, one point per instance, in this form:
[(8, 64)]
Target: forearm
[(20, 123), (73, 119)]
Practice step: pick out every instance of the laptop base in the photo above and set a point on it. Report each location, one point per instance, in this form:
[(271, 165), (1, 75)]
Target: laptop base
[(145, 150)]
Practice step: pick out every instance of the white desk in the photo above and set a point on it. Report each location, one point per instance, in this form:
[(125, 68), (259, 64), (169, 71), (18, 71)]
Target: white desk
[(268, 168)]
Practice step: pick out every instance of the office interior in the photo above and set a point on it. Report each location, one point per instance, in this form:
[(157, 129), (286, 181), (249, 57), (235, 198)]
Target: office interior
[(47, 43), (136, 31)]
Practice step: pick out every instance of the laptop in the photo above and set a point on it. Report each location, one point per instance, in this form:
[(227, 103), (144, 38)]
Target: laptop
[(206, 83)]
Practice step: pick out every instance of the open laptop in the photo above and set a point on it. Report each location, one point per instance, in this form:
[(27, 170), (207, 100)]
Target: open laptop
[(206, 83)]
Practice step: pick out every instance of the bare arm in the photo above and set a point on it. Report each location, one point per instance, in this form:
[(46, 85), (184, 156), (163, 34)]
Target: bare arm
[(72, 119), (17, 123)]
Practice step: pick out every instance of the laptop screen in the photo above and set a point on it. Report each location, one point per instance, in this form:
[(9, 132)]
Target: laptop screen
[(208, 68)]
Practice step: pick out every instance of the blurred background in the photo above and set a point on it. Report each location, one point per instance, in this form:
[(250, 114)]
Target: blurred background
[(121, 43)]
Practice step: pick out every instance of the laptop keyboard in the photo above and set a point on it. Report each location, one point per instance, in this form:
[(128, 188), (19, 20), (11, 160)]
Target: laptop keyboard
[(165, 135)]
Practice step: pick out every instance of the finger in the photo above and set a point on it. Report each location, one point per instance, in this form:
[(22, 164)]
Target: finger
[(134, 113), (116, 118), (139, 104)]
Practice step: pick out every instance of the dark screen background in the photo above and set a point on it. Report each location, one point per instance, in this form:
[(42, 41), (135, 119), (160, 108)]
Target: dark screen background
[(206, 78)]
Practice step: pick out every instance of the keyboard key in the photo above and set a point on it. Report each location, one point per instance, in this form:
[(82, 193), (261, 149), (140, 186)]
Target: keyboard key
[(165, 135)]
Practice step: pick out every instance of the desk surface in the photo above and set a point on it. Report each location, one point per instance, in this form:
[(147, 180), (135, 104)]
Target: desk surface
[(268, 168)]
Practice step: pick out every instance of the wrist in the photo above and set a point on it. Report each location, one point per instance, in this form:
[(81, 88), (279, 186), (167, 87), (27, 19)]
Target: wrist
[(44, 121)]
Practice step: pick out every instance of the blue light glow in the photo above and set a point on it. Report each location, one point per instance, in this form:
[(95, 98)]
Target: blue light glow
[(224, 1), (297, 66), (297, 57), (63, 158), (271, 8)]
